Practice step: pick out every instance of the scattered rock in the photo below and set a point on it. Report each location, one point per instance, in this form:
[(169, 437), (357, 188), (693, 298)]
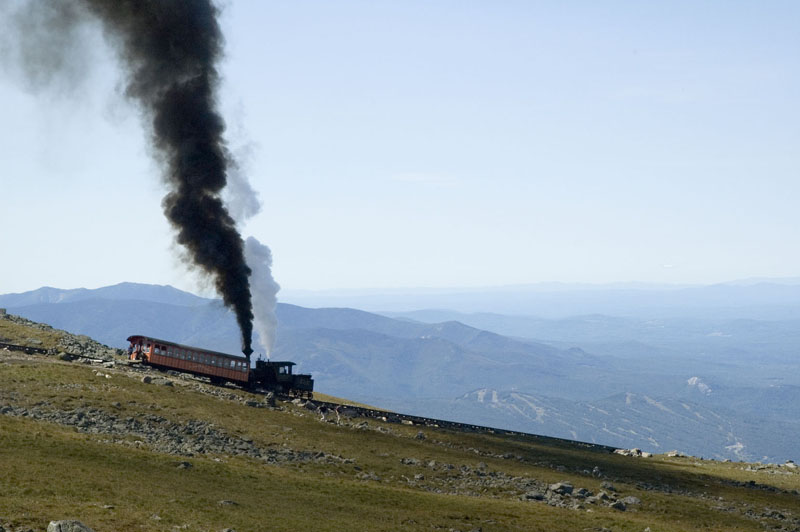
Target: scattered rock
[(270, 399), (184, 465), (147, 379), (633, 452), (420, 435), (631, 500), (67, 526), (606, 485), (533, 496), (226, 502), (562, 488), (618, 505), (582, 493)]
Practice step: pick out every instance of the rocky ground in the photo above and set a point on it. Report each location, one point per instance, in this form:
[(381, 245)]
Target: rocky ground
[(595, 483)]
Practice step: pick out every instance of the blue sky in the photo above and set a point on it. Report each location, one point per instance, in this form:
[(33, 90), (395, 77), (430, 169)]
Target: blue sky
[(447, 143)]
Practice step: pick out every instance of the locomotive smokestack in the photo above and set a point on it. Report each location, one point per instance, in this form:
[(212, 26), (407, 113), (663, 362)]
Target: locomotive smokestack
[(247, 352)]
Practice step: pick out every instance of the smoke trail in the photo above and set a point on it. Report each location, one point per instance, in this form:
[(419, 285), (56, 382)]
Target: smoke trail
[(169, 50), (243, 203), (265, 291)]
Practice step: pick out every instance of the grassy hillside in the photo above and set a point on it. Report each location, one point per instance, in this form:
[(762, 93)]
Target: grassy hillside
[(94, 442)]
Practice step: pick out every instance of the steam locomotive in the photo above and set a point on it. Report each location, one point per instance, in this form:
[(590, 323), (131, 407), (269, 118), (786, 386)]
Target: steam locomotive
[(220, 367)]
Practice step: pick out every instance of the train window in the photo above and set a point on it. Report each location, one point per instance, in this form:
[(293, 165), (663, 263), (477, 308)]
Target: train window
[(233, 363)]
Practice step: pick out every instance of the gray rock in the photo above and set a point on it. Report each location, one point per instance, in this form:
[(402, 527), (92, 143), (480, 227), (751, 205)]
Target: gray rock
[(533, 496), (562, 488), (228, 503), (67, 526), (618, 505), (606, 485), (147, 379), (420, 435), (631, 500), (270, 399)]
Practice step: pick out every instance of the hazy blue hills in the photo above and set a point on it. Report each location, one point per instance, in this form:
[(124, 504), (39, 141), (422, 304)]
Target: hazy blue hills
[(627, 420), (122, 291), (772, 299), (712, 386)]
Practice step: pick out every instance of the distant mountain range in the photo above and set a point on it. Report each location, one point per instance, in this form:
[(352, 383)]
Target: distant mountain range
[(615, 380), (773, 299)]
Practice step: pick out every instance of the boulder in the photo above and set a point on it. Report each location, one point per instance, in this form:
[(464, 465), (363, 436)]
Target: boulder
[(67, 526), (631, 500), (562, 488), (618, 505), (533, 496), (270, 399)]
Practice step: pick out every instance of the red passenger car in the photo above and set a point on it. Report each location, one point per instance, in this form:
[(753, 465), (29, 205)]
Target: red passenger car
[(219, 367)]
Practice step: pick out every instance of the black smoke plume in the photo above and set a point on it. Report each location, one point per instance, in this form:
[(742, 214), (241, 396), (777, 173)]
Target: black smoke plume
[(169, 51)]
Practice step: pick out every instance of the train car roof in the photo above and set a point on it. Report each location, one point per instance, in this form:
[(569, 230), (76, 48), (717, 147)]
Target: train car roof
[(183, 346)]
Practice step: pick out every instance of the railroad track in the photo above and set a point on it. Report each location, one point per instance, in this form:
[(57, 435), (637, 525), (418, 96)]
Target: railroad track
[(24, 348), (326, 408)]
